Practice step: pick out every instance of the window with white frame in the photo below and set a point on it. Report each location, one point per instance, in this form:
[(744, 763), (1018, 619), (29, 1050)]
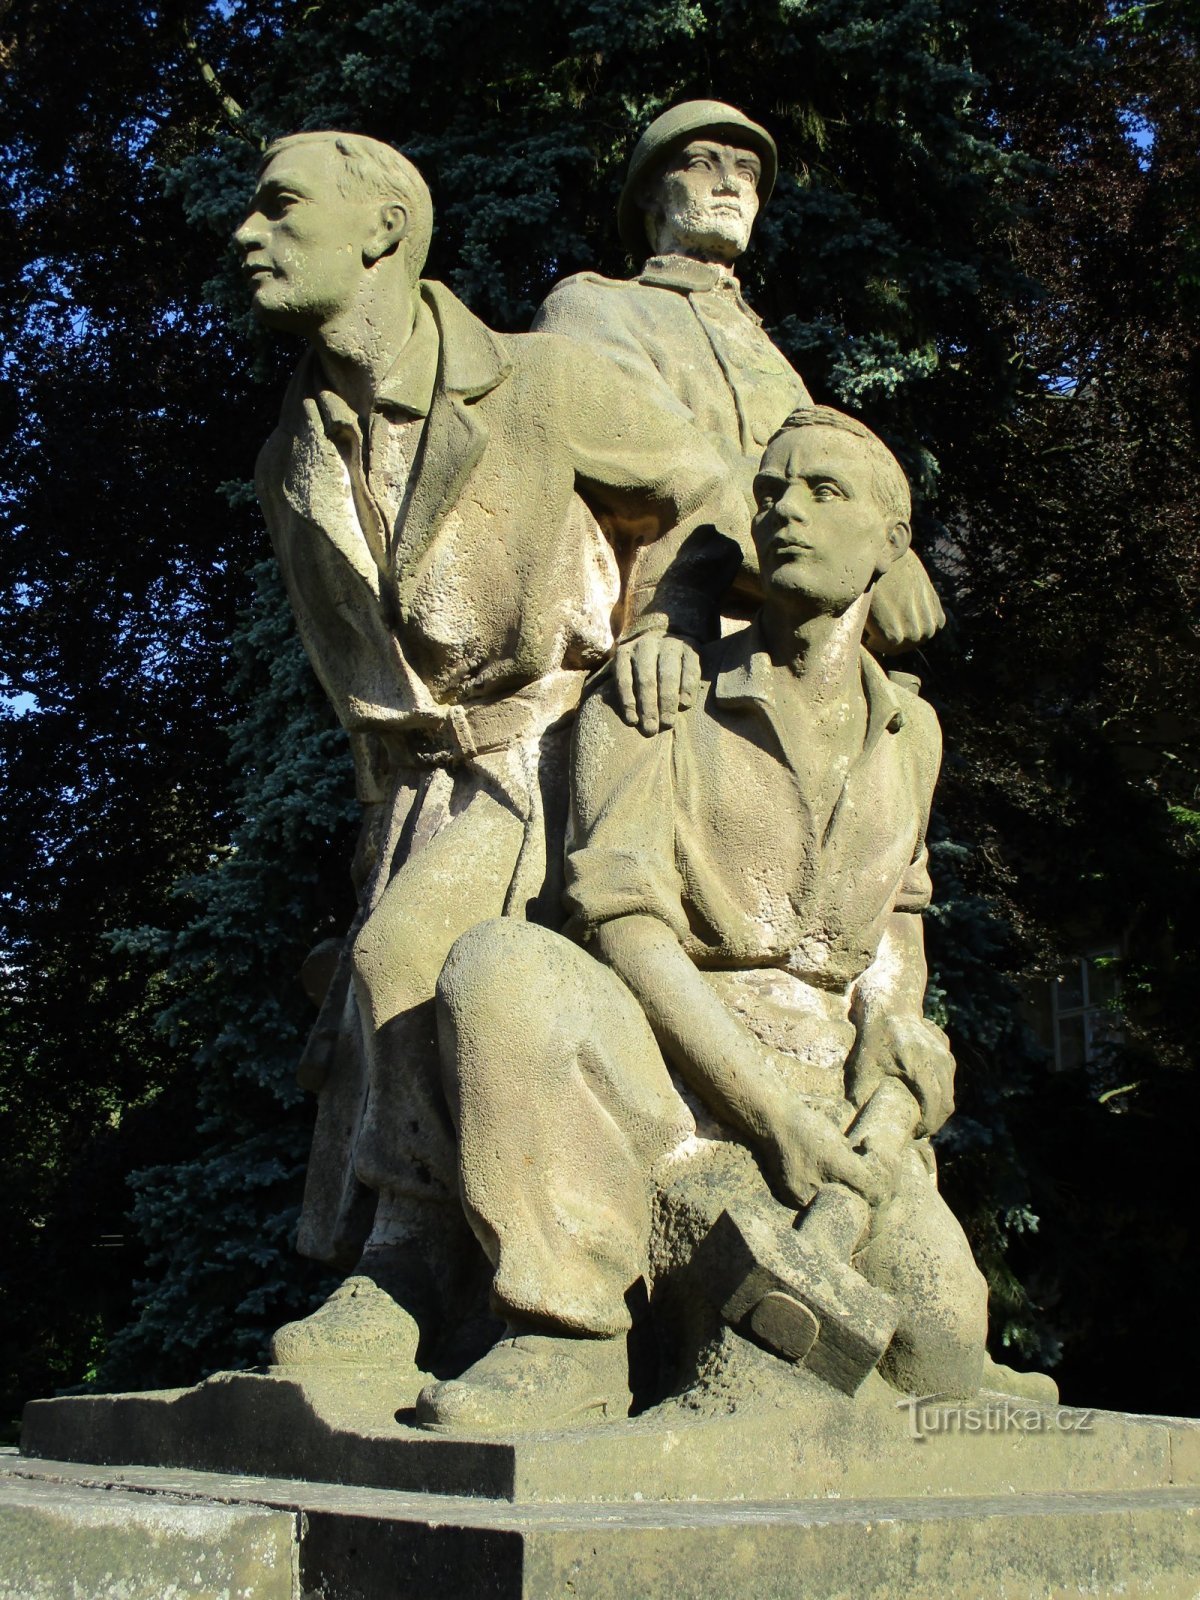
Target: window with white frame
[(1084, 1008)]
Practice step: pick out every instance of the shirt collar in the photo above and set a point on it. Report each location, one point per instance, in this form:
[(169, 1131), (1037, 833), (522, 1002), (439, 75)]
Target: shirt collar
[(747, 676), (408, 386)]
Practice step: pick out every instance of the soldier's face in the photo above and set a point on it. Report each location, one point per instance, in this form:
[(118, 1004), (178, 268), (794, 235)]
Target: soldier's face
[(821, 533), (302, 242), (706, 200)]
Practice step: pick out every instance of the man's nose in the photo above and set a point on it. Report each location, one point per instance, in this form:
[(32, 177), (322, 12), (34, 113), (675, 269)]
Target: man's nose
[(791, 505), (247, 235), (726, 179)]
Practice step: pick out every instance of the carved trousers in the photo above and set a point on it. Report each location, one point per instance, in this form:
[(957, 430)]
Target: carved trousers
[(563, 1105), (477, 840), (564, 1108)]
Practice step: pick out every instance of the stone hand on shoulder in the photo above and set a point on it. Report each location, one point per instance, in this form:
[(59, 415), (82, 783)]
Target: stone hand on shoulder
[(657, 676)]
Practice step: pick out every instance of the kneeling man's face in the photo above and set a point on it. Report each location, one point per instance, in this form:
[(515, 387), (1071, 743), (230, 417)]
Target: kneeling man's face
[(821, 533)]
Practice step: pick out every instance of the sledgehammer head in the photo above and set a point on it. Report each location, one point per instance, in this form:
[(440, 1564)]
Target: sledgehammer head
[(805, 1306)]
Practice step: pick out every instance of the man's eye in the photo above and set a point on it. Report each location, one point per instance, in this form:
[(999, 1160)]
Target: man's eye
[(827, 491)]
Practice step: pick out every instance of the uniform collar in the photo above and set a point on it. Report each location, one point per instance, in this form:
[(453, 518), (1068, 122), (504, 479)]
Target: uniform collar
[(686, 276), (747, 677)]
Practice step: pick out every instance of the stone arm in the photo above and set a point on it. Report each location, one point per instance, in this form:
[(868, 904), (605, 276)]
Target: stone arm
[(624, 893), (659, 491), (887, 1005), (894, 1037), (741, 1081), (589, 314)]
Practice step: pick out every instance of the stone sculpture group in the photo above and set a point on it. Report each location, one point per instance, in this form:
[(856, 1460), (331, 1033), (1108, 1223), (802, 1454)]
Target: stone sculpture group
[(624, 1056)]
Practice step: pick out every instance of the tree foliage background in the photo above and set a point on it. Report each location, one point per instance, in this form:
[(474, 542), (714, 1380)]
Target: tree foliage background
[(985, 241)]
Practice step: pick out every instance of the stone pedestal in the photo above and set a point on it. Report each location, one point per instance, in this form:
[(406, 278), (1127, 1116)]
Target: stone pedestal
[(279, 1486)]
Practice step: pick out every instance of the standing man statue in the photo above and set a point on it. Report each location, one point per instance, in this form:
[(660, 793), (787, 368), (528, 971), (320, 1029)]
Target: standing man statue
[(464, 521), (697, 180)]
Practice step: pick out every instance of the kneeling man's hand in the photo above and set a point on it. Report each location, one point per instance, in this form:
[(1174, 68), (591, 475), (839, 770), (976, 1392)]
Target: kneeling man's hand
[(657, 677), (807, 1150), (911, 1049)]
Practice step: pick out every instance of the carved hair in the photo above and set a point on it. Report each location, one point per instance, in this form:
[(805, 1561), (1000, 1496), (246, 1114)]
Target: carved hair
[(372, 170), (887, 475)]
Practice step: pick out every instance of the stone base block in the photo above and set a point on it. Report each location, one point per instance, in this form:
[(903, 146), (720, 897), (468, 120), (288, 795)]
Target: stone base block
[(760, 1482), (80, 1533), (72, 1539), (780, 1435)]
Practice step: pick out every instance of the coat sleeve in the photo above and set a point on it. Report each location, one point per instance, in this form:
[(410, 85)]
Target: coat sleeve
[(592, 314), (661, 493), (916, 888)]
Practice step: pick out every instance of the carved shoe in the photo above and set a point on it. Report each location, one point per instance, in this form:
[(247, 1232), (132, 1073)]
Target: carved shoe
[(1039, 1387), (532, 1381), (359, 1325)]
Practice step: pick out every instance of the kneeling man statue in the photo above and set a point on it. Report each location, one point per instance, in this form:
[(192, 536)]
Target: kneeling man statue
[(746, 974)]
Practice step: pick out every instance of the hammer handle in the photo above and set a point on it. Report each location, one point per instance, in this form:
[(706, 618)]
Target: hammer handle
[(838, 1217)]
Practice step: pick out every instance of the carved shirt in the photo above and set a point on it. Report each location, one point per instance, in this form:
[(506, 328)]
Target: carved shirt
[(708, 828)]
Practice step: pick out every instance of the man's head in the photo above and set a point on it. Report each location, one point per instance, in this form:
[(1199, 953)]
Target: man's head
[(696, 181), (834, 510), (329, 208)]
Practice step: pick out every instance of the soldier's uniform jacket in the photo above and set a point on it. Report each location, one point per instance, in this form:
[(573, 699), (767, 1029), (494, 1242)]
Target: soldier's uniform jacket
[(683, 330)]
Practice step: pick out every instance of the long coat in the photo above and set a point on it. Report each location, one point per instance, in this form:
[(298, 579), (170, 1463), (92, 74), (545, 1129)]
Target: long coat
[(551, 505)]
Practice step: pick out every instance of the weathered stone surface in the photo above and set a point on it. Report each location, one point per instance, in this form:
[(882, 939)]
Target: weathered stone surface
[(805, 1441), (62, 1541), (464, 521), (361, 1544), (681, 330)]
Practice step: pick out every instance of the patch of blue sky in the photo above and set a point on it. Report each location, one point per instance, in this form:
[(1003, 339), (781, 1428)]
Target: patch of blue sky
[(1139, 132), (20, 703)]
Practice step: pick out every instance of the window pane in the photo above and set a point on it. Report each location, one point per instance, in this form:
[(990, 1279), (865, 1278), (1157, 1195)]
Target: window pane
[(1068, 988), (1102, 981), (1072, 1047)]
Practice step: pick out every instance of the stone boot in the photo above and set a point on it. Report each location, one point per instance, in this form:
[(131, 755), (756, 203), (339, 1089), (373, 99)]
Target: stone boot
[(529, 1381), (1039, 1387), (360, 1325)]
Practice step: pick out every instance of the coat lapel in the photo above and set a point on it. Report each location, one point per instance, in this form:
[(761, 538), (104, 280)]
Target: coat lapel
[(471, 362), (315, 483)]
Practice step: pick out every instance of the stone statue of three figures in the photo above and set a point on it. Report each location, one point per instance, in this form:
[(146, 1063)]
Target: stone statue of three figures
[(625, 1050)]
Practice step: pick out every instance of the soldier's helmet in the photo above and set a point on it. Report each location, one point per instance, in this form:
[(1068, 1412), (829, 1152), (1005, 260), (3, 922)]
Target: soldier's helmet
[(677, 127)]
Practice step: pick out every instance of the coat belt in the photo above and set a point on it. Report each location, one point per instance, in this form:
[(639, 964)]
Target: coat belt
[(478, 727)]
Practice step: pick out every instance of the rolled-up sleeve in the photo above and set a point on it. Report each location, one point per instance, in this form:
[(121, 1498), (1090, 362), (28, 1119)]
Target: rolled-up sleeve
[(621, 843)]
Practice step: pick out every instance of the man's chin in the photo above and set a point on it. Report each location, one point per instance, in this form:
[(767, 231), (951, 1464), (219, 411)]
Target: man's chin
[(279, 318), (725, 237)]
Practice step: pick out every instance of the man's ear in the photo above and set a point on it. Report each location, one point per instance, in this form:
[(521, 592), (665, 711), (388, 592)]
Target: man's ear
[(896, 544), (390, 228)]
